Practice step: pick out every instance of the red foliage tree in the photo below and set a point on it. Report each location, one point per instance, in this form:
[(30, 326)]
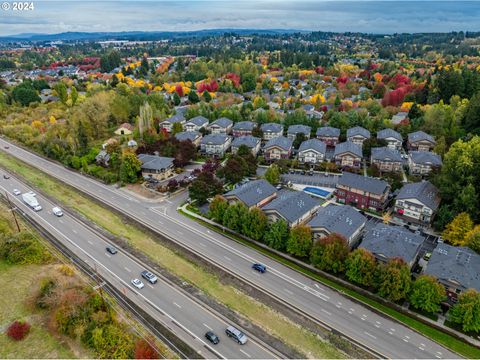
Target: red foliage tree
[(143, 350), (395, 97), (179, 90), (209, 86), (400, 80), (342, 80), (320, 70), (18, 330), (234, 78)]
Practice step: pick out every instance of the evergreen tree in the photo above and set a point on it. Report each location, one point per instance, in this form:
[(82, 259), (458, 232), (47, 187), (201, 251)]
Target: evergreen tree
[(277, 235), (193, 97), (466, 311)]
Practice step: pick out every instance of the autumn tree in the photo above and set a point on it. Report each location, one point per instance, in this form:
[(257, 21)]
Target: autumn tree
[(360, 267), (74, 95), (272, 175), (61, 90), (427, 294), (129, 168), (217, 208), (234, 170), (277, 235), (234, 217), (25, 94), (146, 349), (456, 231), (329, 253), (254, 224), (300, 241), (176, 128), (205, 186), (471, 121), (473, 241), (466, 311), (393, 279), (145, 118)]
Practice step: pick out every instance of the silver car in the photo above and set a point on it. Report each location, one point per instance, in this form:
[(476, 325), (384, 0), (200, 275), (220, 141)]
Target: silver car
[(138, 284)]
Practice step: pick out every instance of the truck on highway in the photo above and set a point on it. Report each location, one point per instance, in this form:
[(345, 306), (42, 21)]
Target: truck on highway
[(31, 200)]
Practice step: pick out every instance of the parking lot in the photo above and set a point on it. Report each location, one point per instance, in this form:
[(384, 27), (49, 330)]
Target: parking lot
[(306, 178)]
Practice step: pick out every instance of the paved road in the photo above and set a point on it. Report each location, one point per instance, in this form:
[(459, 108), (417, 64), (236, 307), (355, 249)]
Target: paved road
[(386, 336), (187, 318)]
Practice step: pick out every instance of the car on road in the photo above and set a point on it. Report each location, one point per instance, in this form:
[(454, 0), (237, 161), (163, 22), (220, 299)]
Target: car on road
[(147, 275), (259, 267), (138, 284), (57, 211), (210, 335), (6, 176), (16, 192), (111, 250), (236, 335), (427, 256), (7, 147)]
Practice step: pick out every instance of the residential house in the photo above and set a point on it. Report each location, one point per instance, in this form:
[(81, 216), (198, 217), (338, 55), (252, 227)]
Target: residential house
[(294, 207), (362, 192), (249, 141), (386, 159), (196, 123), (358, 135), (456, 268), (271, 130), (417, 203), (167, 124), (278, 148), (157, 167), (329, 135), (348, 154), (311, 112), (252, 194), (293, 130), (221, 126), (386, 242), (423, 162), (420, 141), (312, 151), (399, 117), (124, 129), (194, 136), (102, 158), (394, 139), (343, 220), (215, 144), (243, 128)]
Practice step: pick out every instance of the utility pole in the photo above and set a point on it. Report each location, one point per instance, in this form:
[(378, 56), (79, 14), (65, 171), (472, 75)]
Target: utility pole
[(12, 210)]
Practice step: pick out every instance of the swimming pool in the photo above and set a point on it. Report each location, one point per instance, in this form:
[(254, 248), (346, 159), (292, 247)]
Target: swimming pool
[(317, 191)]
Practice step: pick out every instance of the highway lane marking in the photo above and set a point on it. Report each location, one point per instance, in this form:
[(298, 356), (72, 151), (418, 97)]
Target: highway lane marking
[(372, 336), (202, 244), (246, 354), (421, 348), (208, 327), (107, 255), (438, 356), (327, 312), (391, 333), (75, 231), (150, 286), (351, 310), (61, 221), (377, 324), (227, 258), (288, 291), (90, 242), (392, 329), (127, 269), (338, 304), (406, 340), (178, 231), (177, 305)]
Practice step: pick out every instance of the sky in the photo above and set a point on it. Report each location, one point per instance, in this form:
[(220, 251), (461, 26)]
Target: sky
[(50, 16)]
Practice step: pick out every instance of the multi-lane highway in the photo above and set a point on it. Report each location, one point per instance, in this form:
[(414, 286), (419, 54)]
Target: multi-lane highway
[(187, 318), (319, 302)]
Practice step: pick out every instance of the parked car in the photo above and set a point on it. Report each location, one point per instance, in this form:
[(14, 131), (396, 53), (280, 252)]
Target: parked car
[(147, 275), (57, 211), (6, 177), (210, 335), (236, 335), (111, 250), (259, 267), (16, 192), (138, 284)]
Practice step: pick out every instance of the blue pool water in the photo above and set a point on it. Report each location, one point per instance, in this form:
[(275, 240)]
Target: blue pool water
[(316, 191)]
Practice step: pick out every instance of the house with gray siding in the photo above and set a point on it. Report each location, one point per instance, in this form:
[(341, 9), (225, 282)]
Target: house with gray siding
[(254, 193)]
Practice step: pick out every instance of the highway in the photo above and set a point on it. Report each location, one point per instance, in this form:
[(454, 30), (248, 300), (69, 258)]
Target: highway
[(387, 337), (187, 318)]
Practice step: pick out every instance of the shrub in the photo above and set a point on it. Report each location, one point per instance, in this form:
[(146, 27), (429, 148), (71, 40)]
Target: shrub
[(23, 248), (18, 330), (47, 287), (143, 350)]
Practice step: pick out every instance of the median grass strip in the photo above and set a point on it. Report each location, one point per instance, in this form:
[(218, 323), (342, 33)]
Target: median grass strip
[(441, 337), (290, 333)]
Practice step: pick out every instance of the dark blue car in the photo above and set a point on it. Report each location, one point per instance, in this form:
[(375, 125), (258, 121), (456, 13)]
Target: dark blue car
[(259, 267)]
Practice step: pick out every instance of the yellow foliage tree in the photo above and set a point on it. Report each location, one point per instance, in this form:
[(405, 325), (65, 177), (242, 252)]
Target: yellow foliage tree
[(52, 120), (456, 232), (378, 77), (37, 124)]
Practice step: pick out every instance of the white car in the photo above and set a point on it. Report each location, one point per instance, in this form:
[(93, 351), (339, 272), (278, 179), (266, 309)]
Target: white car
[(138, 284), (31, 193), (57, 211), (16, 192)]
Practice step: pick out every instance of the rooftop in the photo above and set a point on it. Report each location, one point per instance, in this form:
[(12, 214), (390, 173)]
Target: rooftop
[(292, 205), (423, 191), (252, 192), (365, 183)]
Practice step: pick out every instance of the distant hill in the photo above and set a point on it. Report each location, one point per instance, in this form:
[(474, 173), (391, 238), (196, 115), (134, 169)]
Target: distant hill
[(135, 35)]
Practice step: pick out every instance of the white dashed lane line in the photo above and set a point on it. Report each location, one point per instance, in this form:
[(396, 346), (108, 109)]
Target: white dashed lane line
[(368, 334)]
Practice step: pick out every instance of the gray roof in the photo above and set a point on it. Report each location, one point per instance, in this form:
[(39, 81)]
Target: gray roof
[(295, 129), (348, 146), (459, 264), (222, 122), (292, 205), (214, 139), (328, 131), (386, 154), (253, 192), (313, 144), (271, 127), (244, 125), (177, 118), (198, 120), (426, 158), (365, 183), (154, 162), (187, 135), (423, 191), (420, 136), (281, 141), (358, 130), (392, 241), (389, 133), (247, 140), (343, 220)]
